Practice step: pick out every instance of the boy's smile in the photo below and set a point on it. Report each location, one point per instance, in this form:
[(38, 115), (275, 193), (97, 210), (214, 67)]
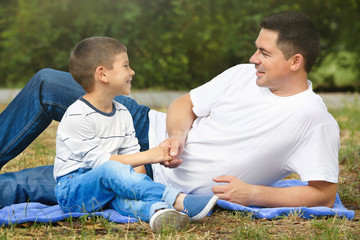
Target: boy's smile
[(120, 76)]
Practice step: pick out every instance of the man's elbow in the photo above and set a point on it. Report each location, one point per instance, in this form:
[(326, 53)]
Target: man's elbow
[(327, 193), (330, 201)]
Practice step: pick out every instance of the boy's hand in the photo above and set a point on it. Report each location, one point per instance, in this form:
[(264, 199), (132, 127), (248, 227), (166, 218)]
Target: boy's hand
[(176, 147), (159, 154)]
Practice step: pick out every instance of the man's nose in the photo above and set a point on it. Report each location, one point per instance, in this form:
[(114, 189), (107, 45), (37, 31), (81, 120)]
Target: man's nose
[(254, 58)]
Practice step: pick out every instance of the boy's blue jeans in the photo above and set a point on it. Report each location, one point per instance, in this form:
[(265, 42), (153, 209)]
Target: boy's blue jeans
[(129, 193), (45, 98)]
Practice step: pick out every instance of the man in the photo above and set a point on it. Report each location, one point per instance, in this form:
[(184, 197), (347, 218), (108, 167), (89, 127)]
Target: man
[(237, 134)]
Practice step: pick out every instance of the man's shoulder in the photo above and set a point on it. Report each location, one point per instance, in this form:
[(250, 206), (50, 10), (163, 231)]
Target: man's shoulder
[(312, 108)]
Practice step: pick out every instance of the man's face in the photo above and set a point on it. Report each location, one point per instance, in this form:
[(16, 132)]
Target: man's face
[(272, 68)]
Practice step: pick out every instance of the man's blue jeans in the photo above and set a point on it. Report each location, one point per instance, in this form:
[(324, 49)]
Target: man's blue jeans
[(129, 193), (45, 98)]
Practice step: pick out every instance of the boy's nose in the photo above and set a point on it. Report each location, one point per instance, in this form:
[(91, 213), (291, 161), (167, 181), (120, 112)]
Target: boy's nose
[(132, 72)]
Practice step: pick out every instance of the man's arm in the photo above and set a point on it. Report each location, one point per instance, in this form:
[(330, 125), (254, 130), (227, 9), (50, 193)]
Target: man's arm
[(179, 120), (317, 193)]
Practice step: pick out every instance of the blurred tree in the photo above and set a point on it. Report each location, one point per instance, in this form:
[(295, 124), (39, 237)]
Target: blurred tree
[(339, 24), (42, 33), (172, 44)]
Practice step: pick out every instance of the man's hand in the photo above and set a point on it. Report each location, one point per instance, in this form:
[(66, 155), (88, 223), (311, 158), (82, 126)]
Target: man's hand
[(235, 190), (176, 146), (316, 193)]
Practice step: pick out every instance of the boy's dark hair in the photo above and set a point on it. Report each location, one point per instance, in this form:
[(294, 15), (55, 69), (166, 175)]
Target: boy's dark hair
[(297, 34), (91, 53)]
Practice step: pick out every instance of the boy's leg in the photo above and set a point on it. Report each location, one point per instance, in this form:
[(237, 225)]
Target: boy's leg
[(94, 189), (134, 208)]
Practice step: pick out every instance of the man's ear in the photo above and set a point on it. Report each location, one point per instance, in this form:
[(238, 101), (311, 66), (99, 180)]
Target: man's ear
[(100, 74), (297, 62)]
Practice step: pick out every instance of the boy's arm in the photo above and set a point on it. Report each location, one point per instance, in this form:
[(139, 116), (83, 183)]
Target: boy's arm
[(317, 193), (155, 155)]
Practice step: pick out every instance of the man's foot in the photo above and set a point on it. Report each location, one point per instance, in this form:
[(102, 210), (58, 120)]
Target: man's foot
[(168, 218), (198, 206)]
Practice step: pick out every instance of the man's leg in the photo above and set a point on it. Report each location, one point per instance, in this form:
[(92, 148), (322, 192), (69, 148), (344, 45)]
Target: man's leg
[(33, 185), (45, 98)]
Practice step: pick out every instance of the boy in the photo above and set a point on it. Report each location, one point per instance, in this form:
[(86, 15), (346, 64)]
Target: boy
[(96, 147)]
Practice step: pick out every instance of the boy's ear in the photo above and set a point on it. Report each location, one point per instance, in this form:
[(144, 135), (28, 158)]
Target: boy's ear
[(297, 62), (100, 74)]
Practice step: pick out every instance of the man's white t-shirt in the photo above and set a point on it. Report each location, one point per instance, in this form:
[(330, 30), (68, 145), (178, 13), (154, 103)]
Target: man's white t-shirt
[(246, 131)]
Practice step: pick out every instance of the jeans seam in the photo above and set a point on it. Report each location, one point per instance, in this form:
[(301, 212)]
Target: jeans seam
[(27, 126), (54, 104)]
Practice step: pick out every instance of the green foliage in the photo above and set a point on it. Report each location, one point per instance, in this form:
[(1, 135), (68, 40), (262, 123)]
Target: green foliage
[(338, 69), (172, 44)]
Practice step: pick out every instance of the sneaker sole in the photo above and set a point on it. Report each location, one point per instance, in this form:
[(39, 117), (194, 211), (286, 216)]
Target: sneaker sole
[(209, 206), (168, 218)]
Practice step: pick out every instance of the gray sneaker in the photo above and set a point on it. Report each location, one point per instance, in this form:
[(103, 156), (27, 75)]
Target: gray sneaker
[(164, 218)]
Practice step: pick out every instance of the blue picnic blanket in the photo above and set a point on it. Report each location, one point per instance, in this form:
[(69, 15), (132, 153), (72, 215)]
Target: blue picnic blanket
[(37, 212)]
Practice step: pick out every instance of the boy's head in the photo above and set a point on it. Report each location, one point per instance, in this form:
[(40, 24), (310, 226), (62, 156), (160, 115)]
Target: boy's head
[(297, 34), (91, 53)]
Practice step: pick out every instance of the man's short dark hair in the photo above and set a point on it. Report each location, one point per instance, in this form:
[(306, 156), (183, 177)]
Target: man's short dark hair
[(297, 34)]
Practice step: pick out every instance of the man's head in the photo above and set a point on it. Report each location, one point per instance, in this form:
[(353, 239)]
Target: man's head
[(287, 46), (296, 34), (91, 53)]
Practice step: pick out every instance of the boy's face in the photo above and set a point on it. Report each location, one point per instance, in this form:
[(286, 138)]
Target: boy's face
[(272, 67), (120, 76)]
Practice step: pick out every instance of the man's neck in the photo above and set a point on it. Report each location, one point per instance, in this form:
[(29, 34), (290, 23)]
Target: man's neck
[(292, 86)]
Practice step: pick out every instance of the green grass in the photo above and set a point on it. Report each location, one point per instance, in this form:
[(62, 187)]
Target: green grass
[(222, 224)]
